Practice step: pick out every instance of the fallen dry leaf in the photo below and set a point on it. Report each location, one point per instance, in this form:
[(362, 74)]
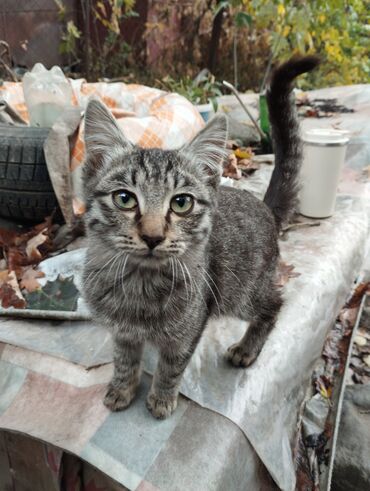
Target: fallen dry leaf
[(244, 153), (248, 166), (32, 250), (13, 282), (360, 340), (297, 224), (285, 272), (323, 386), (29, 280), (21, 248), (231, 145), (3, 276), (361, 379), (362, 331), (349, 315), (231, 169), (10, 293), (21, 251), (8, 237), (356, 298), (16, 259), (9, 298)]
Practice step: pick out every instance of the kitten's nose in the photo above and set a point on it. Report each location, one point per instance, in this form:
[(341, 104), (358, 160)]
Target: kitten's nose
[(151, 241)]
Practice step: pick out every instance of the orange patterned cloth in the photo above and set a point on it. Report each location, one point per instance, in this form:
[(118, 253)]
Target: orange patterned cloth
[(148, 117)]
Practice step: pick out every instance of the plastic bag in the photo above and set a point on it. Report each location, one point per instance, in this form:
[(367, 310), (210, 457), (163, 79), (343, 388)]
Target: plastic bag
[(47, 93)]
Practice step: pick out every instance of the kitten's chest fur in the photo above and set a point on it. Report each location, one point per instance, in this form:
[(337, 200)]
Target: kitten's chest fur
[(145, 302)]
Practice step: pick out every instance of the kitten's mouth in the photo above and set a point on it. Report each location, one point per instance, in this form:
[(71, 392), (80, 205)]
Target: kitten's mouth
[(151, 257), (155, 256)]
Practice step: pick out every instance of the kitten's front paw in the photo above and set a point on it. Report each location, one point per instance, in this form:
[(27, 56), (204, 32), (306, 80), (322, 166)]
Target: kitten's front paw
[(118, 398), (161, 408), (239, 356)]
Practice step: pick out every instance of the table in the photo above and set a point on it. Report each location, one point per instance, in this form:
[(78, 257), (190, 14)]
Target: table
[(233, 429)]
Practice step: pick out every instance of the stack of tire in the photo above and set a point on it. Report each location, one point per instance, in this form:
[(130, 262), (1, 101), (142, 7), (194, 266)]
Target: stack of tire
[(26, 192)]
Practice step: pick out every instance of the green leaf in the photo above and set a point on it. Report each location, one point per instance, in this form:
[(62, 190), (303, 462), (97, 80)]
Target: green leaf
[(221, 5), (243, 19), (131, 13), (129, 4), (214, 103), (72, 30), (63, 48)]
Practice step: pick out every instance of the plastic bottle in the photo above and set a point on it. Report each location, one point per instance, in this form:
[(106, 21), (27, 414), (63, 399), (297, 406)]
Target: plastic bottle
[(47, 93)]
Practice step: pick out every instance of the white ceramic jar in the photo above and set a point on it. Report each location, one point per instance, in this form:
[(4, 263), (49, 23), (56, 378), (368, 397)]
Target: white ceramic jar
[(323, 157)]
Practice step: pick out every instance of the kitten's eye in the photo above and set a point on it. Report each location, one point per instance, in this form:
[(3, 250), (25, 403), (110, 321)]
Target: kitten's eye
[(124, 200), (182, 204)]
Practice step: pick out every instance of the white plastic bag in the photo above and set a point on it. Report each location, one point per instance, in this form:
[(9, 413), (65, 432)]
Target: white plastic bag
[(47, 93)]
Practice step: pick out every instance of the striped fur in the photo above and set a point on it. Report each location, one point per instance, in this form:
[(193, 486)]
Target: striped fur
[(220, 259), (282, 194)]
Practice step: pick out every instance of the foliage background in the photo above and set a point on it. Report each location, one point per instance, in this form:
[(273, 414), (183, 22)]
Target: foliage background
[(236, 39)]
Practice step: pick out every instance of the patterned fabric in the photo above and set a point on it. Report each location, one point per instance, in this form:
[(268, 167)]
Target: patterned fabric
[(53, 375), (148, 117), (58, 402)]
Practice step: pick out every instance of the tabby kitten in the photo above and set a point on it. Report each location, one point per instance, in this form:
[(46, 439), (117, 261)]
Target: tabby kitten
[(169, 246)]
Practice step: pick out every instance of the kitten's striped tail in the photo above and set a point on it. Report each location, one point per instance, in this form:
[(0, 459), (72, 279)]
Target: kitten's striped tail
[(282, 193)]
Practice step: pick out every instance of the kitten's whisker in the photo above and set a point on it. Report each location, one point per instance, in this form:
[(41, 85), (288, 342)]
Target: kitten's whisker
[(193, 283), (112, 263), (123, 274), (172, 284), (121, 277), (94, 274), (116, 276), (93, 259), (210, 277), (190, 279), (241, 284), (232, 272), (199, 292), (185, 282), (211, 290), (97, 259), (175, 265)]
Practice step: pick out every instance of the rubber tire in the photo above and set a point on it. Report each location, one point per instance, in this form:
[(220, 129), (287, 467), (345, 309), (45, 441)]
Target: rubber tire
[(26, 192)]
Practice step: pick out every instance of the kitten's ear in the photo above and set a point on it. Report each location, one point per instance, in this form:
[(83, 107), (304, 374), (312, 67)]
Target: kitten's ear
[(208, 147), (102, 134)]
